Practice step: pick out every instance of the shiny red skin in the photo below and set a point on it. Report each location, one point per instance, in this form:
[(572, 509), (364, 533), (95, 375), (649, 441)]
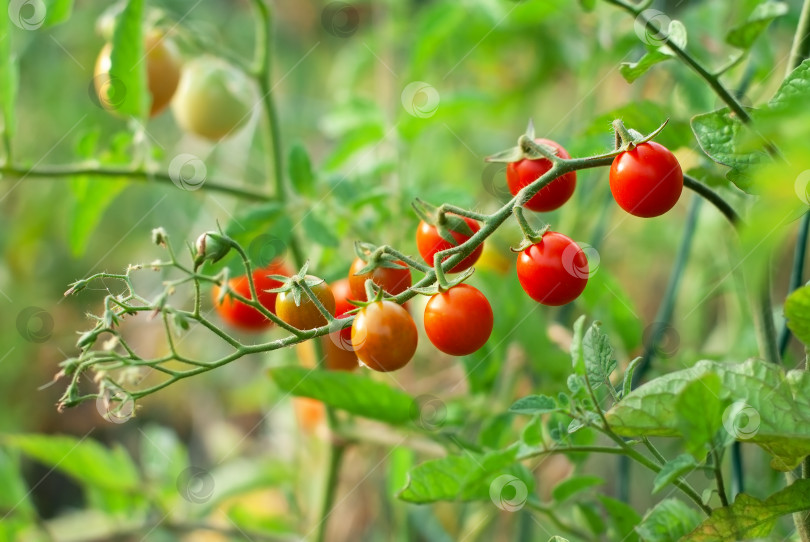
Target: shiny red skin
[(459, 321), (384, 336), (646, 181), (525, 172), (553, 271), (429, 242), (242, 316), (338, 344), (393, 281)]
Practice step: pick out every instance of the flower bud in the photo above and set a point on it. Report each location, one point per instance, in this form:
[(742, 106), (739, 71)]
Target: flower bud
[(211, 246)]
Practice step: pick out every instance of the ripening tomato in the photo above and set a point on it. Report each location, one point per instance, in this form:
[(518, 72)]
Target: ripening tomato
[(524, 172), (242, 316), (459, 321), (646, 181), (213, 98), (337, 345), (392, 281), (162, 73), (429, 242), (384, 336), (310, 413), (305, 315), (553, 271)]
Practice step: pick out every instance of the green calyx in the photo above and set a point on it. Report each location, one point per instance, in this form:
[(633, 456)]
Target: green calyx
[(628, 139), (375, 257)]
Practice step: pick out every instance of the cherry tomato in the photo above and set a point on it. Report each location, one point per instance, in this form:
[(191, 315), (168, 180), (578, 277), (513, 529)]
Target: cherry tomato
[(525, 172), (429, 242), (646, 181), (213, 98), (162, 72), (337, 345), (309, 412), (242, 316), (553, 271), (459, 321), (384, 336), (305, 315), (393, 281)]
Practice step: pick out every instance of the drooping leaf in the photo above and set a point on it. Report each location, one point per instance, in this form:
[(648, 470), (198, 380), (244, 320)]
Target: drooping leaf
[(348, 391), (301, 174), (744, 35), (750, 518), (668, 521), (656, 53), (570, 487), (673, 470), (768, 407), (797, 312), (92, 197)]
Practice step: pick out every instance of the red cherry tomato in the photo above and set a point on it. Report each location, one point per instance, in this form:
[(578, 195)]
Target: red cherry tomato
[(429, 242), (384, 336), (525, 172), (459, 321), (305, 315), (393, 281), (338, 347), (553, 271), (242, 316), (646, 181)]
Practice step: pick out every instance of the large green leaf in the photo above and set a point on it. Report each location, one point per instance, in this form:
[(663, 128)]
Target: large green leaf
[(797, 312), (769, 408), (794, 89), (750, 518), (84, 459), (744, 35), (348, 391), (92, 197), (633, 70), (471, 477), (672, 470), (128, 63), (700, 395), (668, 521)]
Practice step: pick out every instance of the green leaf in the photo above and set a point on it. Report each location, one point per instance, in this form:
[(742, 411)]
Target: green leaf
[(58, 11), (797, 312), (598, 355), (301, 174), (770, 408), (534, 404), (570, 487), (744, 35), (9, 79), (319, 232), (622, 517), (352, 143), (633, 70), (348, 391), (532, 434), (14, 494), (627, 383), (470, 477), (669, 521), (794, 89), (750, 518), (85, 460), (587, 5), (673, 470), (92, 198), (593, 517), (577, 354), (717, 134), (700, 395), (127, 65)]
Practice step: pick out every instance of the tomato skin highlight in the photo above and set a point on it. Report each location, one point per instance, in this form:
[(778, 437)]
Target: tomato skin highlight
[(429, 242), (646, 181), (305, 315), (393, 281), (459, 321), (552, 196), (554, 271), (242, 316), (337, 345), (384, 336)]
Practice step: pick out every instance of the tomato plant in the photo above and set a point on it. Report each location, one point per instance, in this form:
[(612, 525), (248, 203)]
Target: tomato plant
[(554, 270), (459, 321), (384, 336), (524, 172), (647, 180)]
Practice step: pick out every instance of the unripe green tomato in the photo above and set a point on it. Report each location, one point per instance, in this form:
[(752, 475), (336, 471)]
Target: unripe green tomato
[(213, 98)]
